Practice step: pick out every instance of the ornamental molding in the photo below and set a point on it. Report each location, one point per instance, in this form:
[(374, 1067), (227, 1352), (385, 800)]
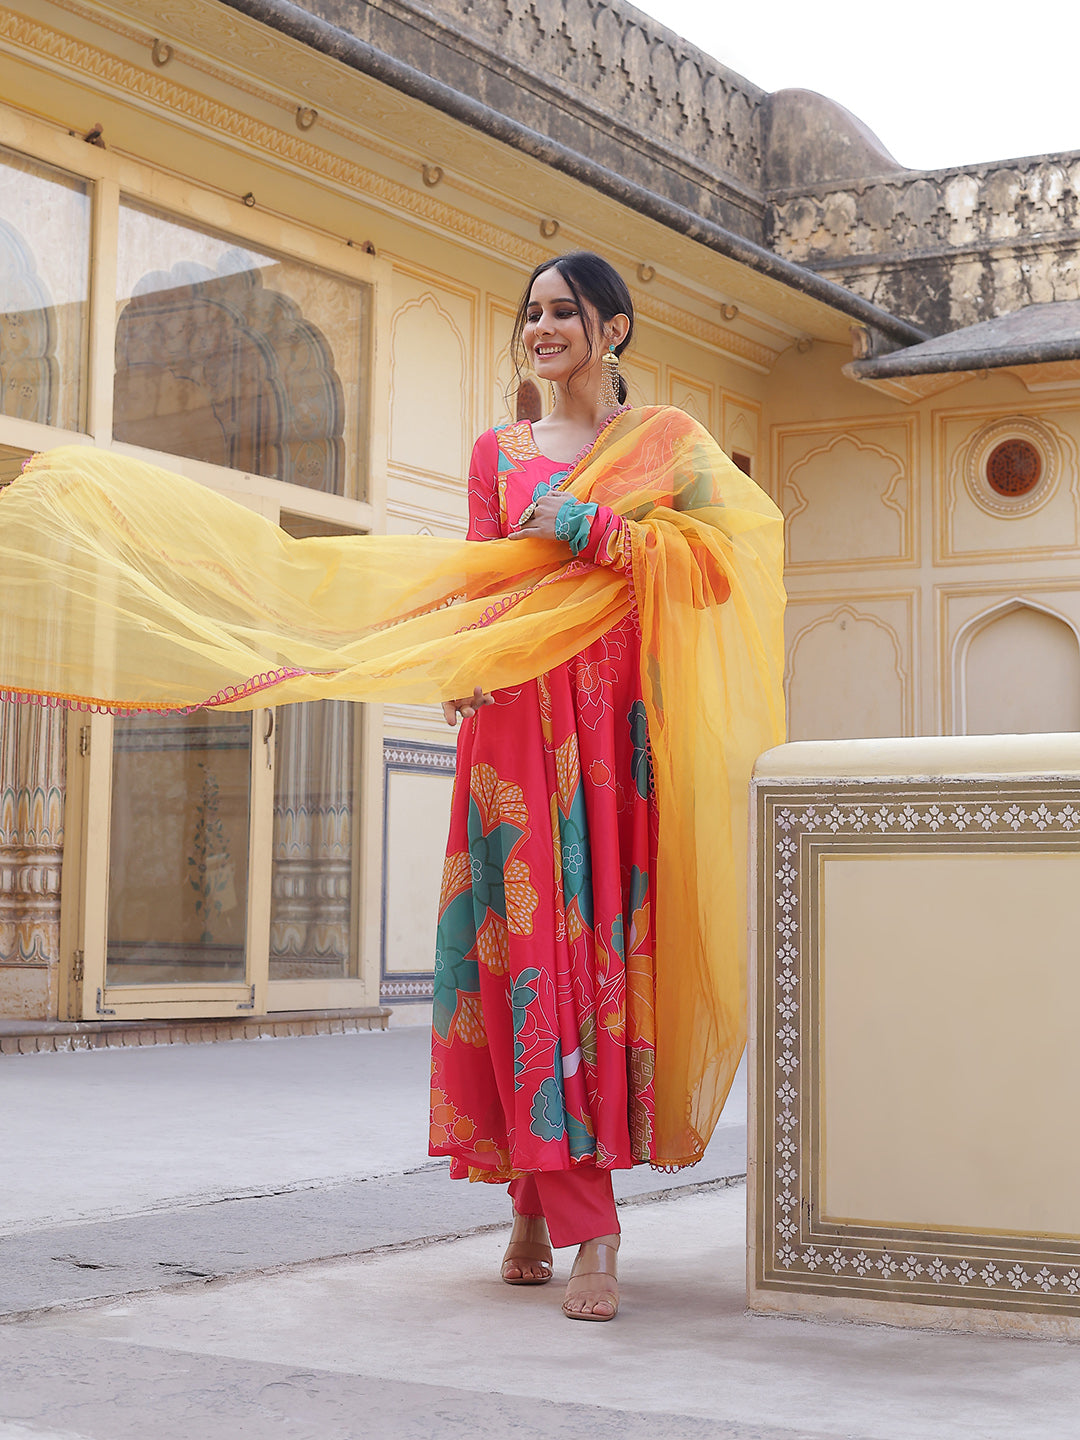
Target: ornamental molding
[(796, 1250), (420, 757), (407, 990)]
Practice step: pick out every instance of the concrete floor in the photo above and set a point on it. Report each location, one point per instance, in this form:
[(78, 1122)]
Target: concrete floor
[(164, 1272), (118, 1132), (104, 1134)]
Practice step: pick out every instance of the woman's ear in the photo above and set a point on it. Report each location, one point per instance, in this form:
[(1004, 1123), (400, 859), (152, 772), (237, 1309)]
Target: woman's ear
[(616, 330)]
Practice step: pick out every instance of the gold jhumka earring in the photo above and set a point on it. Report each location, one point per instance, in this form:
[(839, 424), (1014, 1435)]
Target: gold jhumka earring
[(609, 388)]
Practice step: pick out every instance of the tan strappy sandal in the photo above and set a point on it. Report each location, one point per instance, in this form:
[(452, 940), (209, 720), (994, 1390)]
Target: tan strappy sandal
[(595, 1257), (538, 1252)]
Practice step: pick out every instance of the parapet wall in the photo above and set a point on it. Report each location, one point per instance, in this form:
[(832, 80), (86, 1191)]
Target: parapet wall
[(596, 75), (944, 248)]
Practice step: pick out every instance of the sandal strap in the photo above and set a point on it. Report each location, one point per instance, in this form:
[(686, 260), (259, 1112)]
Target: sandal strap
[(603, 1259), (527, 1250)]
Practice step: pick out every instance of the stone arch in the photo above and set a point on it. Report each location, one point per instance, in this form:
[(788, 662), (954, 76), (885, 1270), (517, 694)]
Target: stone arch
[(1016, 670), (216, 366)]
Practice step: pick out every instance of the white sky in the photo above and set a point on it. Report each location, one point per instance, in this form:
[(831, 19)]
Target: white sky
[(940, 82)]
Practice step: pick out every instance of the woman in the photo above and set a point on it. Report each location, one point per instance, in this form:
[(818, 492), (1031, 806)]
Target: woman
[(543, 1042), (625, 645)]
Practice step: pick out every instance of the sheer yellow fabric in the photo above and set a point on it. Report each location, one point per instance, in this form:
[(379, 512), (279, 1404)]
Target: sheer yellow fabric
[(128, 587)]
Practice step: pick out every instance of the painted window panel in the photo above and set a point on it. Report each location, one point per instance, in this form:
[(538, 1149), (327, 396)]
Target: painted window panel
[(316, 810), (178, 855)]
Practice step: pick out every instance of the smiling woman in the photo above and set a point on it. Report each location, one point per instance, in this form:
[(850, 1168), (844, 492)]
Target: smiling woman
[(547, 1068)]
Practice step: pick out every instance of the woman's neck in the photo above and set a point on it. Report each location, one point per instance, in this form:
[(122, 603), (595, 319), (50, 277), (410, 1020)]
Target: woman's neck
[(585, 411), (572, 424)]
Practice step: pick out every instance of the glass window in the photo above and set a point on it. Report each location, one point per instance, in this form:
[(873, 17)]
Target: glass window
[(315, 820), (239, 358), (178, 858), (44, 292)]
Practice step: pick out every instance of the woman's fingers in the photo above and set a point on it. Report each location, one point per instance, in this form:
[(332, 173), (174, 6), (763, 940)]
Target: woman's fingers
[(541, 522), (451, 709)]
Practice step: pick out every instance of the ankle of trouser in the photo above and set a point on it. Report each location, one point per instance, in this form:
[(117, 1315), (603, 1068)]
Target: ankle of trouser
[(525, 1196), (578, 1204)]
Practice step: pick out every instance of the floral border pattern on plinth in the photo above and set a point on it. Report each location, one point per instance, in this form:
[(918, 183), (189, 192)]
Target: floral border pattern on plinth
[(797, 824)]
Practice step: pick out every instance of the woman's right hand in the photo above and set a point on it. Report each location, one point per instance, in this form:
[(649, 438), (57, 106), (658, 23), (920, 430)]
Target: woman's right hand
[(451, 709)]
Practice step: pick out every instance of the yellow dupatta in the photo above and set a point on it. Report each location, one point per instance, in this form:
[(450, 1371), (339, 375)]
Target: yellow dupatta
[(130, 588)]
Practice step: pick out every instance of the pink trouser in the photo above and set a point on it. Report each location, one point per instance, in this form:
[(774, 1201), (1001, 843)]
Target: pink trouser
[(577, 1204)]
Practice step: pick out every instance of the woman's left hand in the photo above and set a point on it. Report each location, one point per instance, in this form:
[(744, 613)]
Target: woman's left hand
[(541, 524)]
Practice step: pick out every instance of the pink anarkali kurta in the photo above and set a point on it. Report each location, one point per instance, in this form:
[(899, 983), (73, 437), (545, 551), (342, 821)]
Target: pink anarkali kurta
[(543, 1043)]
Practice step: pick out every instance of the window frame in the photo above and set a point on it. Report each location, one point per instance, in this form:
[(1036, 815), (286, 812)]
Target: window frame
[(84, 900)]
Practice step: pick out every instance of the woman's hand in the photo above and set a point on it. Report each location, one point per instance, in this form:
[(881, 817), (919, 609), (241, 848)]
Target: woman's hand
[(451, 709), (541, 524)]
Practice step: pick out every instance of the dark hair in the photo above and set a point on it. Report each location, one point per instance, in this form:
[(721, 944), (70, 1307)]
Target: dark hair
[(592, 283)]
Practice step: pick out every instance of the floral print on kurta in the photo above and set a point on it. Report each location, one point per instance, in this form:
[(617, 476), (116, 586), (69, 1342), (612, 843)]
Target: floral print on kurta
[(543, 1040)]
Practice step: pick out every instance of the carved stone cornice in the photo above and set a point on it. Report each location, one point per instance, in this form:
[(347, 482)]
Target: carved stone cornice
[(597, 75)]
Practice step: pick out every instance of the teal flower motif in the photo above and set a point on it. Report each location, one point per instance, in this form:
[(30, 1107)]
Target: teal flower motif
[(618, 940), (548, 1109), (522, 995), (456, 970), (576, 864), (547, 1112), (487, 859), (639, 888), (641, 761)]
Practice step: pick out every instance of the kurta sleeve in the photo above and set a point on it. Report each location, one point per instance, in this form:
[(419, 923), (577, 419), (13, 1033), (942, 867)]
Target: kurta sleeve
[(596, 534), (484, 518)]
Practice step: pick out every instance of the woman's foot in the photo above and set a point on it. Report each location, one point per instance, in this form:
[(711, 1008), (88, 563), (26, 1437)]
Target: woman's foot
[(528, 1256), (593, 1291)]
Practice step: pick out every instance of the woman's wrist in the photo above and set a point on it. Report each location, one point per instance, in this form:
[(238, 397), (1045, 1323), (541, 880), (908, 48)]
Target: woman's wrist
[(573, 523)]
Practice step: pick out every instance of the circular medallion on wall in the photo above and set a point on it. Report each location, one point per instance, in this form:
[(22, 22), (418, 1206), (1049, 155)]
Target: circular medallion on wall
[(1012, 467)]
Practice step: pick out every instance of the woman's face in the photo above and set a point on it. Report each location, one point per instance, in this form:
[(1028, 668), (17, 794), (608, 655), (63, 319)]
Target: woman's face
[(556, 332)]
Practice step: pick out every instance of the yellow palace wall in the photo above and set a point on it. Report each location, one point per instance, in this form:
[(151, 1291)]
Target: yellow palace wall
[(919, 603), (907, 599)]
